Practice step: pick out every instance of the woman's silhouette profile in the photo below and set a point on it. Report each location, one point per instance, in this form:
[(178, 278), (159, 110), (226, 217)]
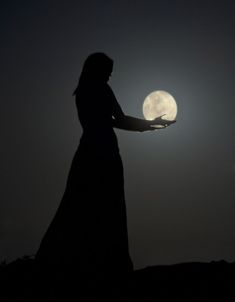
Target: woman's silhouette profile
[(88, 235)]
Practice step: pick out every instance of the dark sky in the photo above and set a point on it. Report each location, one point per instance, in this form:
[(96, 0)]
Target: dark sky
[(180, 181)]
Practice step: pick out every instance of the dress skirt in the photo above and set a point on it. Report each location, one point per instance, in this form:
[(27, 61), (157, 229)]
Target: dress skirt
[(88, 234)]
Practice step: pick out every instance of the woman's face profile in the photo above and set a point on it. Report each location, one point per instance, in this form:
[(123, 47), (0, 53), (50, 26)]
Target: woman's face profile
[(110, 73), (106, 74)]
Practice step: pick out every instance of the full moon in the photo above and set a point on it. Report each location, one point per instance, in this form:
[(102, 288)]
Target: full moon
[(159, 103)]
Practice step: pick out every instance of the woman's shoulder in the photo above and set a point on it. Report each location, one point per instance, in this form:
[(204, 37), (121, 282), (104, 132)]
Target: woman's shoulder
[(95, 92), (103, 91), (110, 93)]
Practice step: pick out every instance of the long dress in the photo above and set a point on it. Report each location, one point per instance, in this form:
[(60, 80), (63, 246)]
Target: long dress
[(88, 234)]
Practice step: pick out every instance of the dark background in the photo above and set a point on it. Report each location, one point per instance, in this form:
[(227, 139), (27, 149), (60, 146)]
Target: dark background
[(179, 181)]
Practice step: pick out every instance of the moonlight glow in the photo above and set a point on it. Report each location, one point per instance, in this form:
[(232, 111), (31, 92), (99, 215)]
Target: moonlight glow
[(158, 103)]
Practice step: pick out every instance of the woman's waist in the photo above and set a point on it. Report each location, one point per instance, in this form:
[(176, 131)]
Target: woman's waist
[(102, 140), (98, 134)]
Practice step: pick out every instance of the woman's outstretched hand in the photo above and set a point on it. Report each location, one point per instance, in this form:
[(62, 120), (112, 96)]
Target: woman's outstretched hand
[(159, 121), (151, 125)]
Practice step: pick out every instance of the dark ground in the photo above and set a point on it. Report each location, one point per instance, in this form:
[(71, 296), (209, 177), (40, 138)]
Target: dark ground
[(194, 281)]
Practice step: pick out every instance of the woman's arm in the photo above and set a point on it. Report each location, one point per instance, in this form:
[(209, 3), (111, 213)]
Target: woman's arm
[(131, 123), (126, 122), (136, 124), (122, 121)]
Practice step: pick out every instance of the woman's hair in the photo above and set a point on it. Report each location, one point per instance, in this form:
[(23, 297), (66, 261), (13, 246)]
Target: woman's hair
[(97, 66)]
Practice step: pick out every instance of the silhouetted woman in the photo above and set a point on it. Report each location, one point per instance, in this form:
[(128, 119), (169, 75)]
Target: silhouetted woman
[(88, 235)]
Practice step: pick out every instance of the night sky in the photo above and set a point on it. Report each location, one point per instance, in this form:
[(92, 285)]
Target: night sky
[(179, 181)]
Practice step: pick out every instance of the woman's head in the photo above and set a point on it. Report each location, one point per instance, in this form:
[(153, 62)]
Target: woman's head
[(97, 68)]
